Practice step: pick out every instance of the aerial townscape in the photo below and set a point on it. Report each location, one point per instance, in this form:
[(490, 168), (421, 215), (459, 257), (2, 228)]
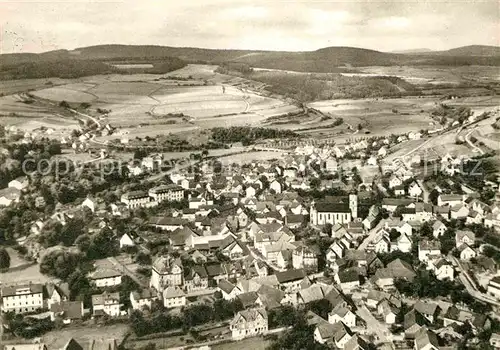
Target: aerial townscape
[(159, 197)]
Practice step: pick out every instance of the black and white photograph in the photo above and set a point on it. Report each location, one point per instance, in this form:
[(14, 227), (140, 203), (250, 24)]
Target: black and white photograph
[(249, 175)]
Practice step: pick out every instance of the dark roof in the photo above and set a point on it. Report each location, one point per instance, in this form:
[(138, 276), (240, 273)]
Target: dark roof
[(350, 275), (329, 207), (290, 275), (72, 344), (11, 290)]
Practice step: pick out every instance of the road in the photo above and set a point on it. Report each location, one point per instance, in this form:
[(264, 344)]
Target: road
[(373, 325), (474, 147), (469, 284), (425, 193), (120, 267)]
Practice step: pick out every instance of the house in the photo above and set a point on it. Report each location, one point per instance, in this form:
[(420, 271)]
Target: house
[(374, 297), (276, 186), (342, 314), (22, 298), (32, 346), (141, 299), (249, 323), (337, 334), (103, 277), (414, 190), (173, 296), (8, 196), (196, 279), (126, 240), (428, 310), (357, 343), (427, 249), (67, 311), (493, 288), (229, 291), (305, 257), (290, 280), (382, 245), (438, 229), (459, 211), (166, 272), (384, 277), (89, 203), (426, 340), (464, 237), (388, 311), (413, 322), (348, 279), (106, 304), (449, 199), (19, 183), (54, 294), (466, 252), (403, 243), (443, 270), (336, 210)]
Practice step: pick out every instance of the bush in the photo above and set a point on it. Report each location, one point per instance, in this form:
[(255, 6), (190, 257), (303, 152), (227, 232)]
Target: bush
[(4, 259)]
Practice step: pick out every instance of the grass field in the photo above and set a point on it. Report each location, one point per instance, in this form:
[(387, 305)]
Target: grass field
[(30, 274), (256, 343), (381, 116)]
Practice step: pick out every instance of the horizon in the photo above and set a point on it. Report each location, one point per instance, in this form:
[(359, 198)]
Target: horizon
[(392, 25), (424, 50)]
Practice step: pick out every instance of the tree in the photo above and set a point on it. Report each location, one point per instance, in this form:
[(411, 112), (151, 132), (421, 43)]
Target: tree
[(4, 259), (64, 104)]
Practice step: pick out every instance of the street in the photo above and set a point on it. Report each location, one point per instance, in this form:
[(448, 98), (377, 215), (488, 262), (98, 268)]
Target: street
[(373, 325)]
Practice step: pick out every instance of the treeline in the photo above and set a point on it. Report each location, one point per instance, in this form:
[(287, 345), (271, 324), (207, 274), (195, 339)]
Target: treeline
[(191, 316), (74, 68), (248, 135)]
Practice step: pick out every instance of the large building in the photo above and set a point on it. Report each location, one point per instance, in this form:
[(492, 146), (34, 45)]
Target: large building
[(166, 272), (136, 199), (167, 193), (335, 210), (22, 298)]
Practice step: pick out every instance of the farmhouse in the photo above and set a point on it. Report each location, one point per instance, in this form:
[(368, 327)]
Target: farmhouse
[(249, 323)]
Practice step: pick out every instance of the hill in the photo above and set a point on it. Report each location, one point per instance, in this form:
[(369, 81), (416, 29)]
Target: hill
[(474, 50), (412, 51), (325, 60)]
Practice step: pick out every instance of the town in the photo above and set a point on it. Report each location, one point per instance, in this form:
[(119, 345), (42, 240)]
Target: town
[(225, 175)]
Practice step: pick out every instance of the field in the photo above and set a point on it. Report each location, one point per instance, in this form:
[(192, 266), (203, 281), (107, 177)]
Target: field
[(256, 343), (155, 102), (381, 116), (30, 274)]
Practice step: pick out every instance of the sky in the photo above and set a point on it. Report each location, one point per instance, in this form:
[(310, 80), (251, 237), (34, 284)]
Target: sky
[(39, 26)]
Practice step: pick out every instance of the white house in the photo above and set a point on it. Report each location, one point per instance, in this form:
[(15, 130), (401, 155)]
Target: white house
[(106, 303), (142, 298), (249, 323), (126, 241), (427, 249), (22, 298), (106, 278), (174, 296), (414, 190), (342, 314)]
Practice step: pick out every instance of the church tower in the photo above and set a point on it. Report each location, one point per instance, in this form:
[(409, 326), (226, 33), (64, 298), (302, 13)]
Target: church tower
[(353, 205)]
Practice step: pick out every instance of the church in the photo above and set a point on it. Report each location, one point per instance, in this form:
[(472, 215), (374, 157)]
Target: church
[(334, 210)]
